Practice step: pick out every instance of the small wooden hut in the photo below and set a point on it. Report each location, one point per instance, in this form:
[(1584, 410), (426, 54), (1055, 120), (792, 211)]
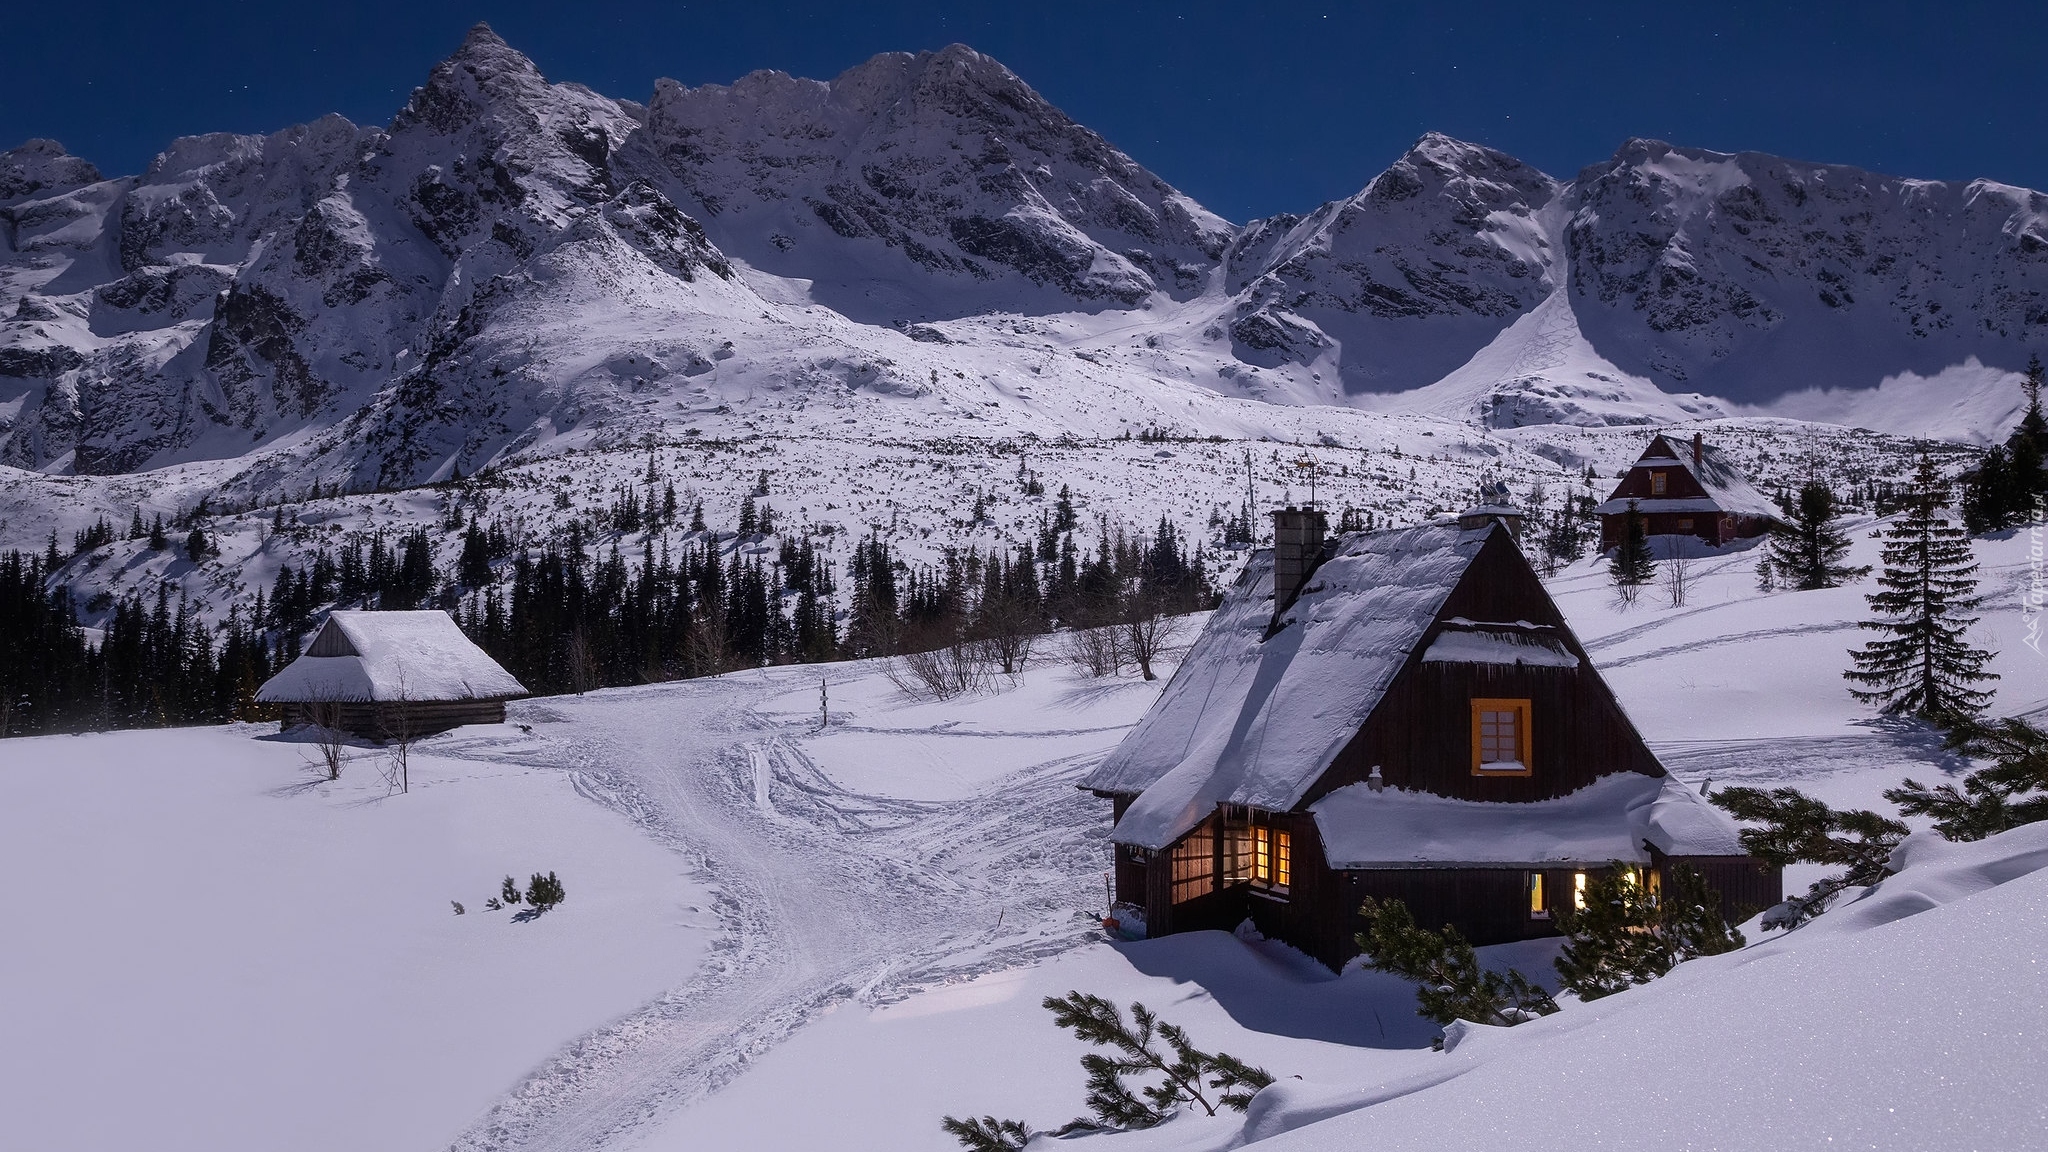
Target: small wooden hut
[(1690, 490), (1398, 714), (391, 675)]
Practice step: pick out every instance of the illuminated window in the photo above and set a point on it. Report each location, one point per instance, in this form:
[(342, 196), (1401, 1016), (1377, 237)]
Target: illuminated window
[(1656, 483), (1500, 737), (1656, 887), (1579, 891), (1272, 858), (1539, 906)]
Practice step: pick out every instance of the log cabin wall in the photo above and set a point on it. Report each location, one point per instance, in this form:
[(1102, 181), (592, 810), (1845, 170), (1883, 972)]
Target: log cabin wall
[(1746, 885), (1420, 735), (377, 721)]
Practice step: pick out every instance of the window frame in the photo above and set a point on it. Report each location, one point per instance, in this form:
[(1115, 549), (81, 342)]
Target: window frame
[(1523, 737), (1660, 482), (1272, 868), (1538, 895)]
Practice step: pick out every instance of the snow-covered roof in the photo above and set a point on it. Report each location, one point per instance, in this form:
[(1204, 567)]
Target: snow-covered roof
[(1728, 490), (1609, 819), (1255, 721), (419, 656)]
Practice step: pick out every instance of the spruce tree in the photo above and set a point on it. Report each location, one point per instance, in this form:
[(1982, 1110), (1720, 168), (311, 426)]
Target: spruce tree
[(1807, 551), (1632, 566), (1923, 665)]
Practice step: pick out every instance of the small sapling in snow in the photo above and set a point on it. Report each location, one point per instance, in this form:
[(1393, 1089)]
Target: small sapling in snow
[(509, 891), (543, 892), (459, 909)]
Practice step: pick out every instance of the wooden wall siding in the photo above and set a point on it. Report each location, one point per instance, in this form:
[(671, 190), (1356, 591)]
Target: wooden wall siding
[(1712, 527), (1746, 885), (1420, 736), (330, 642), (375, 721), (1679, 483)]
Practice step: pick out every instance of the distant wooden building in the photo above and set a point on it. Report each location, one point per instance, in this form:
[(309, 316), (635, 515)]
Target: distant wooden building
[(1394, 714), (384, 675), (1686, 490)]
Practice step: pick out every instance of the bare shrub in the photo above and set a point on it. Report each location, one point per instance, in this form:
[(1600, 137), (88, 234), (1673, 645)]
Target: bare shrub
[(1099, 651), (1677, 580), (399, 720), (330, 743), (943, 673)]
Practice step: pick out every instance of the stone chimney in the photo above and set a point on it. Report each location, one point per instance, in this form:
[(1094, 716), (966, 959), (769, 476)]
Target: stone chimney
[(1297, 548), (1699, 446)]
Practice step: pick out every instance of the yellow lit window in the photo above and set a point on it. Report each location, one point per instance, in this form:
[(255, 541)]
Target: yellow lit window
[(1539, 906), (1500, 737), (1272, 857), (1579, 891), (1656, 483)]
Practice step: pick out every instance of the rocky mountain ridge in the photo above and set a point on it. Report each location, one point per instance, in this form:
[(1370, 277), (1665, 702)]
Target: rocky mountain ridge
[(512, 266)]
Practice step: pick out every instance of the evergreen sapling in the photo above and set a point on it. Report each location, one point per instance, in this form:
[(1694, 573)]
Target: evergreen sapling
[(1633, 566), (1807, 550)]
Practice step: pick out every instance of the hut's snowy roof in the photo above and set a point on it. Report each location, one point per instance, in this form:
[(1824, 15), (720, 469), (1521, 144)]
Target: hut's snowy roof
[(1609, 819), (1251, 720), (1728, 490), (418, 656)]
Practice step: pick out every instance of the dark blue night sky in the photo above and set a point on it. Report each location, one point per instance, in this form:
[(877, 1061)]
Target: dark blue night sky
[(1251, 108)]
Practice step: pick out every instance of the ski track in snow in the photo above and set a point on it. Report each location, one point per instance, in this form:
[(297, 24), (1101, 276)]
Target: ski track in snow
[(826, 895)]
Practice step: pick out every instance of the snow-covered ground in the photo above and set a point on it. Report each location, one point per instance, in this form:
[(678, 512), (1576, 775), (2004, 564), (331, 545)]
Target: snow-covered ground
[(781, 936), (209, 947)]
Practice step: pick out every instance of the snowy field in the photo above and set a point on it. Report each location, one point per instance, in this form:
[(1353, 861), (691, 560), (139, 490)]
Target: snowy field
[(782, 936)]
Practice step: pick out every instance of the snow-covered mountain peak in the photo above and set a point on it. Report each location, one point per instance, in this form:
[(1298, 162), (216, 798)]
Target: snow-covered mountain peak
[(941, 174)]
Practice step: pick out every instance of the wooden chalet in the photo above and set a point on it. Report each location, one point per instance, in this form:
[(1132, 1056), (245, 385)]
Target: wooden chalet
[(1399, 714), (1686, 490), (386, 675)]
